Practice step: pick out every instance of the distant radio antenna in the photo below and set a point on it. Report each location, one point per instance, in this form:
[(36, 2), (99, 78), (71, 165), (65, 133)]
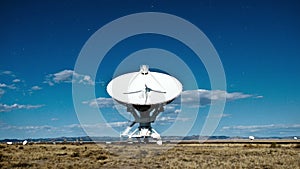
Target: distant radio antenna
[(25, 142), (145, 94), (251, 137)]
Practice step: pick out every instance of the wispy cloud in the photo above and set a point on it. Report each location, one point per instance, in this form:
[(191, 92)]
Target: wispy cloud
[(258, 97), (3, 85), (100, 102), (200, 97), (38, 131), (42, 127), (7, 72), (220, 115), (36, 88), (68, 76), (8, 108), (168, 119), (16, 81), (269, 129), (46, 131), (188, 98), (260, 127)]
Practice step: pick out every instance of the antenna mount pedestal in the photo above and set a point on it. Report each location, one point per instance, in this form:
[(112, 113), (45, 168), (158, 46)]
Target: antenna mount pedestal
[(144, 118)]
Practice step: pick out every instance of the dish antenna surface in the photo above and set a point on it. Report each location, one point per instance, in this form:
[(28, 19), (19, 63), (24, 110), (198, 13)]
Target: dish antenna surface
[(145, 94), (251, 137), (25, 142)]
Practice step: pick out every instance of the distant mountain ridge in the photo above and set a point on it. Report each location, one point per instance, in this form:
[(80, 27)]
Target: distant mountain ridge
[(107, 138)]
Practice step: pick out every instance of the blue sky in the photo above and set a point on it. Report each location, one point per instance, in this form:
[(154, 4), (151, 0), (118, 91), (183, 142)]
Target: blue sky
[(257, 42)]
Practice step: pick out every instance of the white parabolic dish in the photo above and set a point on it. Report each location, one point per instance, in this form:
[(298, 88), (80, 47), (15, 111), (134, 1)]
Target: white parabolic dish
[(144, 88)]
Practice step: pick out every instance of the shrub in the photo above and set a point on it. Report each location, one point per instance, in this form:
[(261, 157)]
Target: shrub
[(249, 145), (102, 157), (61, 154), (25, 165), (75, 154), (274, 145), (2, 157)]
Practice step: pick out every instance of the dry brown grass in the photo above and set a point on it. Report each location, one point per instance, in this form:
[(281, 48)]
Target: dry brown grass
[(150, 156)]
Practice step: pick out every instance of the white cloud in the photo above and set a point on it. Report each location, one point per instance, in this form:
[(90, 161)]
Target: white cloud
[(97, 125), (48, 131), (269, 129), (177, 111), (170, 107), (100, 102), (3, 85), (7, 72), (259, 127), (117, 124), (16, 80), (63, 76), (86, 79), (68, 76), (259, 97), (202, 97), (220, 115), (165, 120), (36, 88), (8, 127), (8, 108), (35, 131)]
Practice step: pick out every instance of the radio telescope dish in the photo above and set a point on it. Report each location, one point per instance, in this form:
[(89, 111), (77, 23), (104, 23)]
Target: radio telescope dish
[(145, 94), (144, 87), (251, 137), (24, 142)]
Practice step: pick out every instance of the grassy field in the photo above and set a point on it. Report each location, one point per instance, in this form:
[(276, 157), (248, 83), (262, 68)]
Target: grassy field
[(124, 156)]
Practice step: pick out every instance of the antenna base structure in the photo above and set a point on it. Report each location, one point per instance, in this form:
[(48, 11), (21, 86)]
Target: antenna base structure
[(145, 94), (144, 118)]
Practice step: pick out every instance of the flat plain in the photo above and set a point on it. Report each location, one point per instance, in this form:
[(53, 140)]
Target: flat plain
[(185, 155)]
